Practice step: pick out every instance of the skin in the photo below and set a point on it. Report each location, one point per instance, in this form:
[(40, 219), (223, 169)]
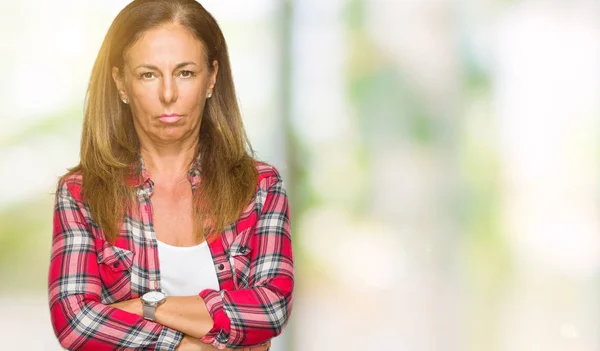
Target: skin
[(166, 71)]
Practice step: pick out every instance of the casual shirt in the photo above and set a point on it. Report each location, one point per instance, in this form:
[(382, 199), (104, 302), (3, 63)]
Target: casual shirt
[(252, 257)]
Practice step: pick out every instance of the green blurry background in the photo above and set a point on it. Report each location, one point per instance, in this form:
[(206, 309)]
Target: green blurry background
[(441, 158)]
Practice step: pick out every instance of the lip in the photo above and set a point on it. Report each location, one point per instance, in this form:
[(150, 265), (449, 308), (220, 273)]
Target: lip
[(170, 118)]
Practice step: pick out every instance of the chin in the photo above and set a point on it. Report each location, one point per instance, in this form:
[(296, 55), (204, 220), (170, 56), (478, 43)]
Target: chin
[(173, 133)]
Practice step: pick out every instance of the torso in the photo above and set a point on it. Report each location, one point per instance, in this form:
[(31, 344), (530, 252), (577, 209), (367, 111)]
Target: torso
[(138, 261), (185, 271), (173, 215)]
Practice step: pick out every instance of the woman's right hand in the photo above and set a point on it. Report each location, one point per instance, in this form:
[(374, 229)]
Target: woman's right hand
[(192, 344)]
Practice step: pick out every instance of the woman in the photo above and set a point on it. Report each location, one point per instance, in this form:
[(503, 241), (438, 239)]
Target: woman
[(168, 235)]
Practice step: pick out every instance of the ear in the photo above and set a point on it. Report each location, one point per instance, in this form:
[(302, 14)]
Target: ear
[(213, 76), (118, 78)]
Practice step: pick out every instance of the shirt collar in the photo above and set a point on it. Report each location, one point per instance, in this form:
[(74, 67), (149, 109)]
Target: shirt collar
[(140, 178)]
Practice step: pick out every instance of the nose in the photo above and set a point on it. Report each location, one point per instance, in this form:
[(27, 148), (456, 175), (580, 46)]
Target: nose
[(168, 93)]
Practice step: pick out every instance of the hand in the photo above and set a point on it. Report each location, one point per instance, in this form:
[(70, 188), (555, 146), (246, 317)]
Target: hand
[(192, 344), (189, 343), (263, 347)]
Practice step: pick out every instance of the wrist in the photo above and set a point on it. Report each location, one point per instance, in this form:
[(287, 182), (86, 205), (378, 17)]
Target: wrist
[(138, 307), (150, 301), (184, 341), (189, 343)]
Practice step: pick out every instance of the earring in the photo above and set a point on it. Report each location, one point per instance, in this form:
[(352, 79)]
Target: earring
[(209, 95), (124, 99)]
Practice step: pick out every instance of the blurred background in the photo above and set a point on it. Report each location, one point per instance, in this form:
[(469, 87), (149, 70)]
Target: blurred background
[(441, 157)]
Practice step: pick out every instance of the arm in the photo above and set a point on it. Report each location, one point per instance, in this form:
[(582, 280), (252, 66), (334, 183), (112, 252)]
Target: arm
[(79, 319), (258, 313), (187, 314)]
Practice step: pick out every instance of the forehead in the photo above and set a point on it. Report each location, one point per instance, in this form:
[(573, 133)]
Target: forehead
[(166, 45)]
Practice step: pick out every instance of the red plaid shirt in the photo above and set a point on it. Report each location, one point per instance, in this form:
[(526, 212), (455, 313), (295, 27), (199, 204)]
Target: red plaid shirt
[(253, 260)]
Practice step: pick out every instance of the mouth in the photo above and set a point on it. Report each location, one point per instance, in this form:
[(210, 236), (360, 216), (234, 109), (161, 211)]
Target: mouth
[(170, 118)]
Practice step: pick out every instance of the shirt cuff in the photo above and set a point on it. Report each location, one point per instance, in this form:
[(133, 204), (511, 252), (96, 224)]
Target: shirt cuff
[(219, 334), (168, 340)]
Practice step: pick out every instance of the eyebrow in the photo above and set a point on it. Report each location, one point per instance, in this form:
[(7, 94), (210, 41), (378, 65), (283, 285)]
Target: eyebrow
[(180, 65)]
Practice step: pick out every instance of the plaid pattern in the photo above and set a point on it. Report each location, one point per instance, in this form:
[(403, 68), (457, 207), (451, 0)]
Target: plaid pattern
[(253, 260)]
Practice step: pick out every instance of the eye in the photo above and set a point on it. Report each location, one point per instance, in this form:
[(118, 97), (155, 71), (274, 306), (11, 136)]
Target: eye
[(187, 74), (147, 75)]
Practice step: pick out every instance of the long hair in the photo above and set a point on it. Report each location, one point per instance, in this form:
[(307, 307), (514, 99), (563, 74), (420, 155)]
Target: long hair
[(110, 150)]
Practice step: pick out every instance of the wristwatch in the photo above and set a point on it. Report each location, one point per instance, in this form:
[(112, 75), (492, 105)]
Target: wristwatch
[(150, 301)]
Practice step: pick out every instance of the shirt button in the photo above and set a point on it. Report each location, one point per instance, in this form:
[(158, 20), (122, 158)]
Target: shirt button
[(243, 250), (221, 266), (116, 264)]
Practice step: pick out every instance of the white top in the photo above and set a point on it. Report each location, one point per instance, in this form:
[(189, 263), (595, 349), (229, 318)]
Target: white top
[(186, 271)]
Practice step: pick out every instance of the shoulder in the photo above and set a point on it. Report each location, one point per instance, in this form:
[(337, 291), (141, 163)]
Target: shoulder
[(268, 175), (70, 184)]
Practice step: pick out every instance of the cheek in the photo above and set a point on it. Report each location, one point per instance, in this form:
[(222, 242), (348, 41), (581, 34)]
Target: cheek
[(192, 100), (144, 98), (144, 105), (196, 111)]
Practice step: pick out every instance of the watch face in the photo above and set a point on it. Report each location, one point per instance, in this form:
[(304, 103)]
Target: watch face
[(154, 296)]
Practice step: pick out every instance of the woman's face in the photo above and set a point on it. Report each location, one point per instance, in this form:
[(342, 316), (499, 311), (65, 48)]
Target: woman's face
[(166, 81)]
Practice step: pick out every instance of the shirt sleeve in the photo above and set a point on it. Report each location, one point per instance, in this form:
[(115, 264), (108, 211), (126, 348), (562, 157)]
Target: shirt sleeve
[(79, 319), (254, 315)]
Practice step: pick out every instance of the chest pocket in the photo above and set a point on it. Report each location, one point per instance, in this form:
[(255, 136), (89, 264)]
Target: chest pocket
[(114, 266), (240, 254)]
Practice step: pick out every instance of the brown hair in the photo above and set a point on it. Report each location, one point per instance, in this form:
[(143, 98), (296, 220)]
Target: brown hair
[(109, 143)]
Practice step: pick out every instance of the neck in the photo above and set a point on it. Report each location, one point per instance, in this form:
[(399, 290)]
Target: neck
[(168, 165)]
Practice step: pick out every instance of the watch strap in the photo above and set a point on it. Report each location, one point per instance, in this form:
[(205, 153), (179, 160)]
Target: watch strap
[(149, 312)]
